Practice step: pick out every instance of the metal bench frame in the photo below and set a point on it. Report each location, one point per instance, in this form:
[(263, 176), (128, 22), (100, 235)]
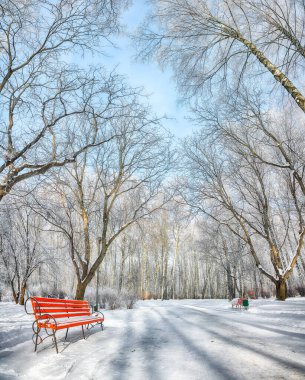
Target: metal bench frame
[(48, 321)]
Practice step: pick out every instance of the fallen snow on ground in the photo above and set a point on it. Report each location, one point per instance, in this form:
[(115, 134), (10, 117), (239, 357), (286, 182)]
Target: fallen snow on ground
[(164, 340)]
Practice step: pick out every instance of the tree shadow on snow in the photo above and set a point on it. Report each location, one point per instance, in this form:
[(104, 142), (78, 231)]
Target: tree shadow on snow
[(202, 355), (277, 359), (136, 348)]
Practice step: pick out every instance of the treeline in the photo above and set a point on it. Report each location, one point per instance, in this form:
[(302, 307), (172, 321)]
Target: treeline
[(168, 255), (90, 180)]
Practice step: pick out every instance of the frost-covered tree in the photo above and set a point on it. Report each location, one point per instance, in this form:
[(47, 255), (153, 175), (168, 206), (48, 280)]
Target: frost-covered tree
[(240, 176), (108, 190), (21, 248), (44, 100), (210, 43)]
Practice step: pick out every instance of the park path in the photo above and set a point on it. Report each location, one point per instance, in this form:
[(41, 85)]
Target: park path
[(173, 340)]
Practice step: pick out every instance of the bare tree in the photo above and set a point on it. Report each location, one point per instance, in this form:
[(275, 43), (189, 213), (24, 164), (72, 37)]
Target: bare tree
[(124, 187), (21, 251), (238, 192), (44, 100), (210, 42)]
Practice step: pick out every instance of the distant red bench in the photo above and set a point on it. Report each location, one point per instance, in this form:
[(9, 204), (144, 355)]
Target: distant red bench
[(239, 302), (53, 314)]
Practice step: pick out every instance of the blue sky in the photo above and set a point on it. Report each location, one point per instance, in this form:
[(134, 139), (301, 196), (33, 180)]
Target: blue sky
[(158, 84)]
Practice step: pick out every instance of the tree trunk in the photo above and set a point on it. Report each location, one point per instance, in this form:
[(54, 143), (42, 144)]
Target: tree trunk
[(281, 290), (275, 71), (230, 282), (22, 294), (121, 271), (80, 290), (172, 294), (15, 295), (203, 290)]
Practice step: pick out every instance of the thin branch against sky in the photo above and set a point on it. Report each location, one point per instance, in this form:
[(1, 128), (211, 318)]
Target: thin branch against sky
[(157, 84)]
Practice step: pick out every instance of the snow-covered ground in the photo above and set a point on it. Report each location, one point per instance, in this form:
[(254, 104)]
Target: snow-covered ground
[(186, 339)]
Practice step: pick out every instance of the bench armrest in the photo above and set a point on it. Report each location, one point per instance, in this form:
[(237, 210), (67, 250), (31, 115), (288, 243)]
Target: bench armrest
[(95, 313), (25, 307), (35, 309), (46, 318)]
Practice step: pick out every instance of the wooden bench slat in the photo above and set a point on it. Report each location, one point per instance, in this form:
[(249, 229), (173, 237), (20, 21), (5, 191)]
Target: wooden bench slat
[(55, 304), (50, 310), (63, 315), (80, 323), (57, 300), (58, 308), (67, 324)]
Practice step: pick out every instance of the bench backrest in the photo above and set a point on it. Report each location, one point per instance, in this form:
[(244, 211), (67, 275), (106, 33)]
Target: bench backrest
[(59, 308)]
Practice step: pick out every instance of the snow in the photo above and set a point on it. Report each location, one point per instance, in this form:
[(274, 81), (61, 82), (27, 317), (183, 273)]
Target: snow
[(185, 339)]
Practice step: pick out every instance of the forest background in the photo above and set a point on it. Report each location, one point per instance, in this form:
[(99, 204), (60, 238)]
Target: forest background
[(97, 175)]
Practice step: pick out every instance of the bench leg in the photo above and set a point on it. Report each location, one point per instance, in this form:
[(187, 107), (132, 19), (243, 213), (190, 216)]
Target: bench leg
[(66, 333), (83, 332), (36, 331), (55, 341), (36, 341)]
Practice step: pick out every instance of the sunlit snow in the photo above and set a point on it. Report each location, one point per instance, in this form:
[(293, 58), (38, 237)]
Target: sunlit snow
[(185, 339)]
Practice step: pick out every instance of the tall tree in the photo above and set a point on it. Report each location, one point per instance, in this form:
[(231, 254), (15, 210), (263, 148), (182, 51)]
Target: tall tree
[(43, 98), (21, 250), (110, 189), (240, 193), (212, 42)]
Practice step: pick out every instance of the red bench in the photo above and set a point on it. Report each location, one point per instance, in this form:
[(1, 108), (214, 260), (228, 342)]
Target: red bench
[(53, 314), (237, 302), (240, 302)]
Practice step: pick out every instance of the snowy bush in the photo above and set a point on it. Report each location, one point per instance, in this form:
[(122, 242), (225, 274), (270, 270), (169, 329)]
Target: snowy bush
[(301, 290), (129, 298), (62, 294), (265, 293), (6, 294), (45, 291), (91, 295), (292, 291), (111, 299)]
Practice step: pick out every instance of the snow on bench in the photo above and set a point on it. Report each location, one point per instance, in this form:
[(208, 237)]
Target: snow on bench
[(53, 314)]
